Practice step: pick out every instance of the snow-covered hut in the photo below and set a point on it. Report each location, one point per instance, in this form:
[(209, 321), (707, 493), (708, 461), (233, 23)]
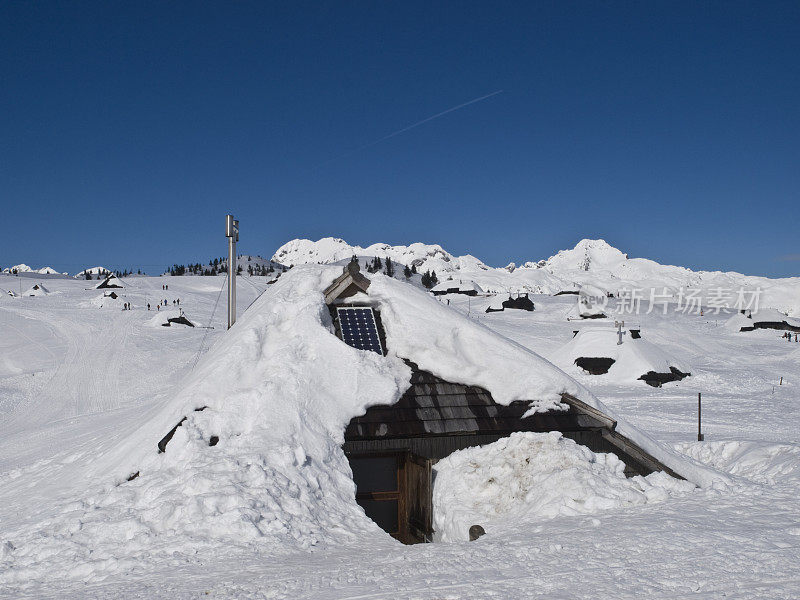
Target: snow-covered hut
[(766, 318), (516, 302), (37, 290), (109, 282), (468, 288), (333, 391), (597, 351)]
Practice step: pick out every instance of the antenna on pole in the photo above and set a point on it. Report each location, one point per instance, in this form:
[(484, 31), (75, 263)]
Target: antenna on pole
[(619, 325), (232, 233)]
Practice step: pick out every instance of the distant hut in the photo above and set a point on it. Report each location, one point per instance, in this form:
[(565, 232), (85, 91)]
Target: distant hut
[(518, 302), (598, 351), (767, 318), (467, 288), (109, 282), (37, 290)]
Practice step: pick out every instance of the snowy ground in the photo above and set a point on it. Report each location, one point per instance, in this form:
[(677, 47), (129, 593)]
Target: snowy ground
[(76, 378)]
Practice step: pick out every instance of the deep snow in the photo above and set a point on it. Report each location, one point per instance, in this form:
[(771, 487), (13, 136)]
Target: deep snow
[(82, 389)]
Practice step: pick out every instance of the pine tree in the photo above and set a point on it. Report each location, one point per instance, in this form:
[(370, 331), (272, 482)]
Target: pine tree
[(414, 269), (389, 268), (407, 272), (434, 279)]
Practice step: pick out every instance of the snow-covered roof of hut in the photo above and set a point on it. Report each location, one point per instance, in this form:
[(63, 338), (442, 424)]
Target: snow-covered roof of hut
[(632, 359), (461, 285), (37, 290), (257, 457), (112, 281), (738, 322), (771, 315)]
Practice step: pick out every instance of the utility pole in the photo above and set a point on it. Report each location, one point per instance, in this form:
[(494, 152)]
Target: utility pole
[(232, 233), (700, 436), (619, 325)]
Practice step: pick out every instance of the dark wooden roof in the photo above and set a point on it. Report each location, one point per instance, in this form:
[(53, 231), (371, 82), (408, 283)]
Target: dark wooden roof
[(435, 409), (433, 406), (349, 283)]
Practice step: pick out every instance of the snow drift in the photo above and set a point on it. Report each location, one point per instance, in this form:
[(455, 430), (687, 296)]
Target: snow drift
[(528, 477)]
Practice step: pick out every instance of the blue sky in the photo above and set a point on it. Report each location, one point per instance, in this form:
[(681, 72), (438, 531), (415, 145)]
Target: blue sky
[(672, 130)]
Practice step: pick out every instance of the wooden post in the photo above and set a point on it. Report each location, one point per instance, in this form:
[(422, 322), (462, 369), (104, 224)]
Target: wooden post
[(700, 435)]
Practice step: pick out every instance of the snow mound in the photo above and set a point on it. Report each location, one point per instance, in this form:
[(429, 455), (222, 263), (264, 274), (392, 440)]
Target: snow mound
[(632, 359), (105, 301), (757, 461), (528, 477), (37, 290)]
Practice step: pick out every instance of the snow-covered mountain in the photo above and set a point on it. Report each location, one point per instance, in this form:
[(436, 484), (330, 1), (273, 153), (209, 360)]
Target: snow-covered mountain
[(23, 268), (330, 250), (91, 271), (590, 262)]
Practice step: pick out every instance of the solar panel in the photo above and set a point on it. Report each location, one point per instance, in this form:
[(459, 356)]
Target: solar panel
[(359, 329)]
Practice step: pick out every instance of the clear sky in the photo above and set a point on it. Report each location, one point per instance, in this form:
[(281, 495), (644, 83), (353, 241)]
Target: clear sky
[(129, 129)]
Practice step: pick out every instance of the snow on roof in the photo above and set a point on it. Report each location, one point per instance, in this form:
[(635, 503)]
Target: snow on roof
[(37, 290), (111, 280), (457, 284), (277, 391), (771, 315), (633, 358), (737, 321)]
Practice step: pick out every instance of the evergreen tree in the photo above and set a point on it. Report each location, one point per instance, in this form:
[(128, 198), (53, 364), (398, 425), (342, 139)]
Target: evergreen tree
[(434, 279), (414, 269), (389, 268), (407, 272)]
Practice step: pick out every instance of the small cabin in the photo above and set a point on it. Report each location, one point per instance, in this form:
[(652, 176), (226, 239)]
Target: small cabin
[(467, 288), (391, 448)]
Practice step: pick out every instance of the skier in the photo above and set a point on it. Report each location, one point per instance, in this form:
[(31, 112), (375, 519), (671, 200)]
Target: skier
[(148, 306)]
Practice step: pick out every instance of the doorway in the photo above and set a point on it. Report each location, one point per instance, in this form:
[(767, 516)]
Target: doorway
[(394, 489)]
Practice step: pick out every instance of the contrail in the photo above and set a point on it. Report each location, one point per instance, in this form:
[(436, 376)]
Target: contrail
[(417, 124)]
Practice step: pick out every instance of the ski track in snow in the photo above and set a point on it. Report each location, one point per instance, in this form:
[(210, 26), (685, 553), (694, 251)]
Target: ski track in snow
[(99, 372)]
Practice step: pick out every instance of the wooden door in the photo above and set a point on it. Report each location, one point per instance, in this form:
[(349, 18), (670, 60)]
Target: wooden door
[(418, 499)]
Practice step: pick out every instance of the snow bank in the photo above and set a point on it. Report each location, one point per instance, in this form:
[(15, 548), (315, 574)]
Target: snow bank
[(527, 477), (760, 462)]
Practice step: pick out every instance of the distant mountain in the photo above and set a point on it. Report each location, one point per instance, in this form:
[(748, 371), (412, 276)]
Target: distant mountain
[(330, 250), (590, 262), (23, 268)]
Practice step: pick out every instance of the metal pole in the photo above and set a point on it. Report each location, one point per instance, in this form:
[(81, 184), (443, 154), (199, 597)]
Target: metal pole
[(699, 417), (232, 233)]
